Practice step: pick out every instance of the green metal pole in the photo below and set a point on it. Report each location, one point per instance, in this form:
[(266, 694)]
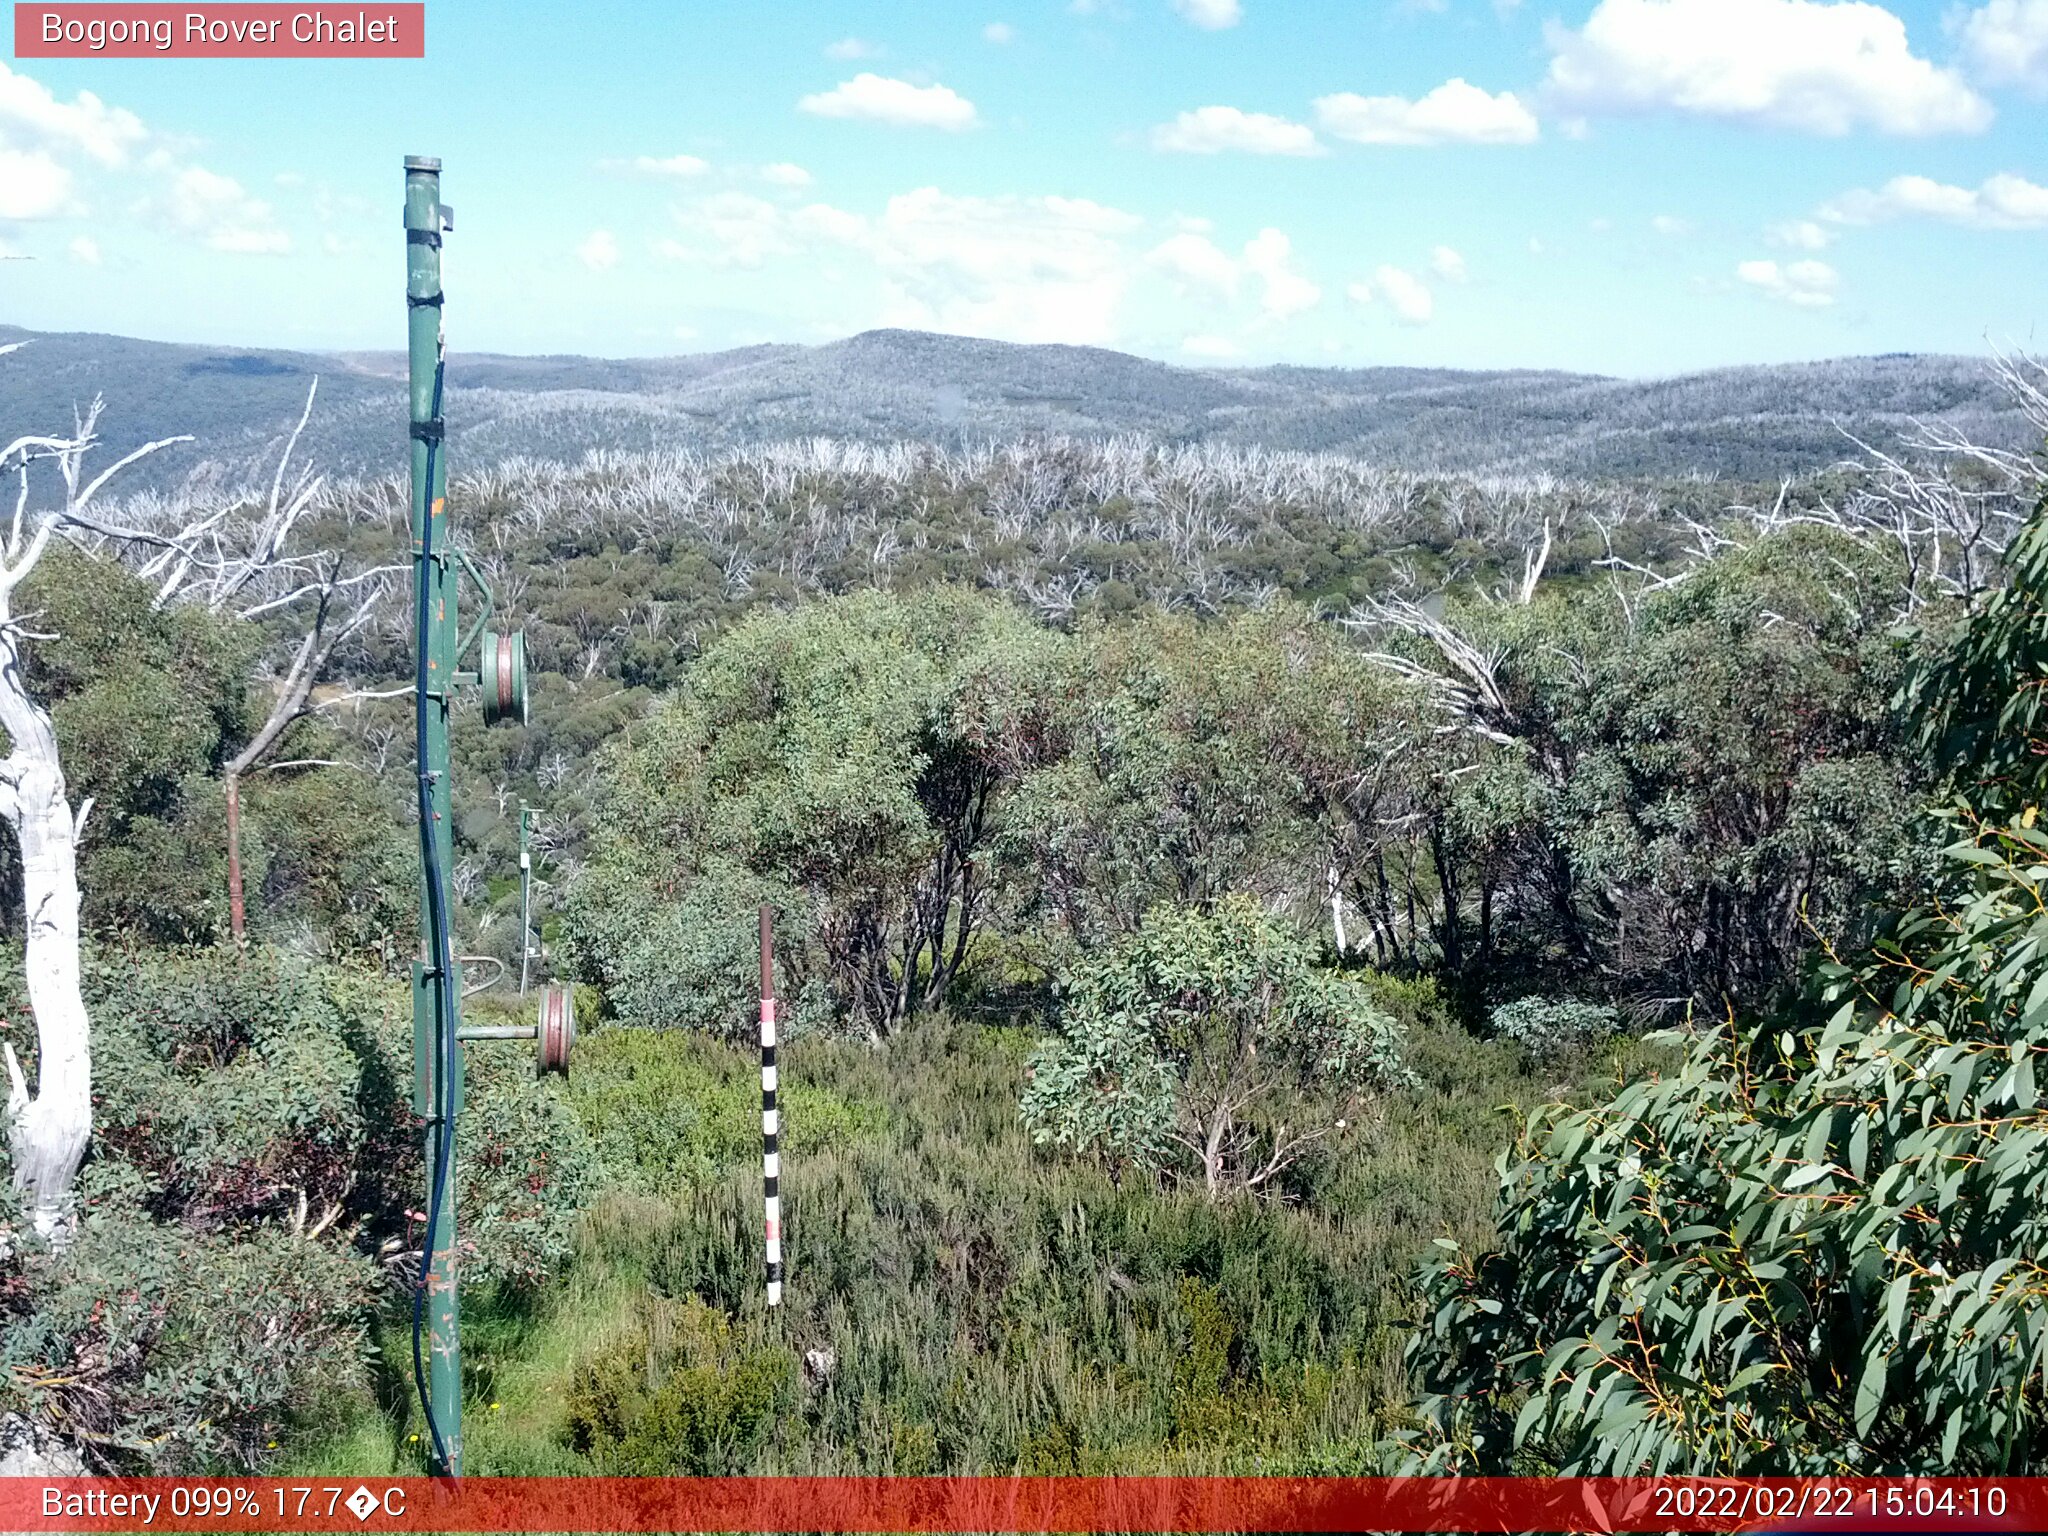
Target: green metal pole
[(437, 983)]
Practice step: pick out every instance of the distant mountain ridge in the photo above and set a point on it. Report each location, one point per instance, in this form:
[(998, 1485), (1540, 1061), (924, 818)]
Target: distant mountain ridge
[(1742, 424)]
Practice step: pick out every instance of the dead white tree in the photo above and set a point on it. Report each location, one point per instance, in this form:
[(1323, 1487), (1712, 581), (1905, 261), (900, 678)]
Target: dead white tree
[(47, 1127), (1465, 677), (234, 559), (242, 559), (256, 574)]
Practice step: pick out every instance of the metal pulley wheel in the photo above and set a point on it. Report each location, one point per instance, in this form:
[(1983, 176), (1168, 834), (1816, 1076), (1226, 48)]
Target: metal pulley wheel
[(501, 668), (557, 1031)]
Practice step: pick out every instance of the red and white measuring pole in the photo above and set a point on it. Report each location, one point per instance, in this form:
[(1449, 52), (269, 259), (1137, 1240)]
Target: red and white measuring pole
[(771, 1158)]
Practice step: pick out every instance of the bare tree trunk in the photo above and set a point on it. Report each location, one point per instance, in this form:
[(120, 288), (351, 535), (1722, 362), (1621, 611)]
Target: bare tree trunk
[(47, 1131), (1212, 1153), (231, 786), (293, 702), (1337, 910)]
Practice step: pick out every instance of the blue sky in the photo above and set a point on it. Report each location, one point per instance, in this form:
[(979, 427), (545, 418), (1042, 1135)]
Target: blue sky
[(1629, 186)]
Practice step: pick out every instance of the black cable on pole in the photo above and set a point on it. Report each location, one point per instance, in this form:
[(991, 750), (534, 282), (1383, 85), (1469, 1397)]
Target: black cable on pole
[(440, 958)]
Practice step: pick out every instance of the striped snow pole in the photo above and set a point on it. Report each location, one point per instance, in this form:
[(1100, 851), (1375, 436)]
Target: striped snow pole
[(771, 1158)]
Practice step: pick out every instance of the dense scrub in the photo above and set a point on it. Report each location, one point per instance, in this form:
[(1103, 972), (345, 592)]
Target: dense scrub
[(959, 1300), (1655, 805), (248, 1202), (1181, 856), (1816, 1247)]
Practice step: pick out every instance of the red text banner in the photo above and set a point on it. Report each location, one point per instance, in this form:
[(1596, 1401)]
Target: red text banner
[(234, 31), (935, 1504)]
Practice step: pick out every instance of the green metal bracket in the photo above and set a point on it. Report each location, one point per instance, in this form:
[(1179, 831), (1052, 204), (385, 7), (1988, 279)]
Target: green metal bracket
[(483, 617), (423, 1045)]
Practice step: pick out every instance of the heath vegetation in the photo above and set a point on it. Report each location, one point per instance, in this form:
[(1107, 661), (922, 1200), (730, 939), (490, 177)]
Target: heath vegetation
[(1290, 965)]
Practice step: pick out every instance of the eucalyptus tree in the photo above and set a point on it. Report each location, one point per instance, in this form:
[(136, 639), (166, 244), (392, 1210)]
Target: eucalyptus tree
[(818, 759), (1815, 1247), (1208, 1043)]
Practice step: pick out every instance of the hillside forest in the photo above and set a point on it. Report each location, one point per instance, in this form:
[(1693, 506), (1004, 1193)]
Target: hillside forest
[(1290, 965)]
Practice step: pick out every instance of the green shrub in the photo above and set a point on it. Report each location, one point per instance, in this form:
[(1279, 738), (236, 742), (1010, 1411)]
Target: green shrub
[(146, 701), (678, 1395), (690, 959), (241, 1087), (1551, 1030), (1201, 1042), (669, 1110), (525, 1168), (1816, 1247), (326, 857), (167, 1350)]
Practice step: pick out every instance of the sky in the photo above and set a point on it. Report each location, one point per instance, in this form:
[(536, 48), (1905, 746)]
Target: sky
[(1636, 187)]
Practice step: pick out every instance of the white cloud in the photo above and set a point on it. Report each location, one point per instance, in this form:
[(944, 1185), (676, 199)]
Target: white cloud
[(2000, 202), (1454, 113), (853, 48), (1199, 262), (85, 251), (599, 251), (1209, 346), (1360, 293), (1269, 256), (1212, 130), (1824, 68), (1268, 259), (785, 173), (831, 223), (1670, 226), (1210, 15), (878, 99), (1808, 284), (1406, 294), (32, 185), (732, 229), (250, 241), (214, 208), (1448, 264), (31, 117), (2006, 42), (1016, 268), (1801, 235), (682, 166), (39, 134), (999, 32)]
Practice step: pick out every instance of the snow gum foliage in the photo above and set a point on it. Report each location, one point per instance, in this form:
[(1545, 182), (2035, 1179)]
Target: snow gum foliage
[(1194, 1042), (1553, 1029), (812, 761), (1817, 1246)]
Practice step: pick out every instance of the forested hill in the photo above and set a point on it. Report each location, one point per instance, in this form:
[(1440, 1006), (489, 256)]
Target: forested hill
[(1741, 424)]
